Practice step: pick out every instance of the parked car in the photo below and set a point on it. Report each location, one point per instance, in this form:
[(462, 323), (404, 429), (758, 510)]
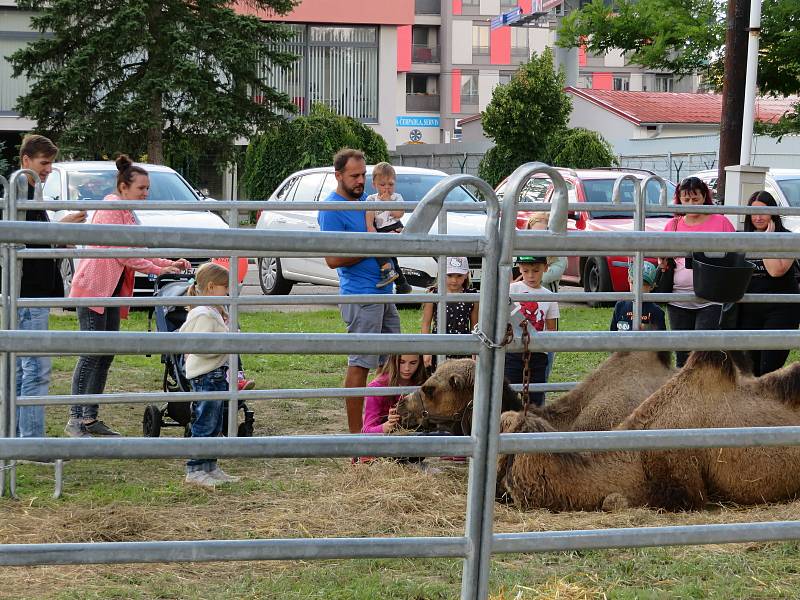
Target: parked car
[(594, 273), (783, 184), (93, 180), (278, 275)]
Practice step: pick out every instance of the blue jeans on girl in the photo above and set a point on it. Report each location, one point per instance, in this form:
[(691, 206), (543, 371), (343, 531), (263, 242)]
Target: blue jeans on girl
[(207, 414), (33, 375)]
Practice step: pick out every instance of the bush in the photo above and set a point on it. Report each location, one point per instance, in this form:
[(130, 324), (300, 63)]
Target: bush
[(303, 143), (579, 148), (497, 164)]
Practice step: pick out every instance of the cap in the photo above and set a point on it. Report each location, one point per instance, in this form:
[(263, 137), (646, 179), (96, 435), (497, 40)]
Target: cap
[(530, 260), (649, 272), (457, 265)]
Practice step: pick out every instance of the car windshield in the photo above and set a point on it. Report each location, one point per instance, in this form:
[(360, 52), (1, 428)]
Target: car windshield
[(599, 191), (96, 185), (413, 187), (790, 189)]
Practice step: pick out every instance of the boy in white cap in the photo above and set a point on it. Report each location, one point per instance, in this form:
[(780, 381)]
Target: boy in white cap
[(652, 315), (461, 316)]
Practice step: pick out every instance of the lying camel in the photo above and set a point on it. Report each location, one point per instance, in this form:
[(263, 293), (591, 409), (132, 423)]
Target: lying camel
[(598, 403), (707, 392)]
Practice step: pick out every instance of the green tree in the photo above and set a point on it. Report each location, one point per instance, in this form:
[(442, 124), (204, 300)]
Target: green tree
[(303, 143), (579, 148), (524, 113), (164, 78), (683, 36)]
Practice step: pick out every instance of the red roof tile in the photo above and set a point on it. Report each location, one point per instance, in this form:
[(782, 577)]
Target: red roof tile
[(667, 107)]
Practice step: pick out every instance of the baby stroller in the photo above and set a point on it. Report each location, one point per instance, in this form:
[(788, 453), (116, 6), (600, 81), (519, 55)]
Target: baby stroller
[(179, 414)]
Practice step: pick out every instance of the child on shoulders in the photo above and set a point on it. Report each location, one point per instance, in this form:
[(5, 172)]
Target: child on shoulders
[(539, 316), (387, 221), (652, 314)]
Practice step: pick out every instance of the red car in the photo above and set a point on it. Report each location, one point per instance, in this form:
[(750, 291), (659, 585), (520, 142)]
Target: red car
[(595, 273)]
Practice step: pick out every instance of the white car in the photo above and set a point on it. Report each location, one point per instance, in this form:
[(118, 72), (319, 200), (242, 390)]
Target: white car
[(278, 275), (783, 184), (93, 180)]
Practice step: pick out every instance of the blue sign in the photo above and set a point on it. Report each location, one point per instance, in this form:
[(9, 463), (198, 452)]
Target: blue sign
[(496, 22), (506, 18), (416, 122)]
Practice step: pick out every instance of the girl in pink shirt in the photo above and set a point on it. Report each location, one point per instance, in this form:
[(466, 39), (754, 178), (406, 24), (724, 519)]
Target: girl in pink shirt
[(107, 277), (380, 415), (692, 315)]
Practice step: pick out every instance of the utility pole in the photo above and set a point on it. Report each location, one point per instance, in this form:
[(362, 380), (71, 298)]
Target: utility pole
[(733, 88)]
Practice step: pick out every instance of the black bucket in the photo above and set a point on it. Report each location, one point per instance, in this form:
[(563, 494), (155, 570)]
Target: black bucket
[(721, 279)]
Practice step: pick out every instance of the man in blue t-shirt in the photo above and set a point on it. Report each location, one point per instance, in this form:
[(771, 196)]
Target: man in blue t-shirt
[(356, 276)]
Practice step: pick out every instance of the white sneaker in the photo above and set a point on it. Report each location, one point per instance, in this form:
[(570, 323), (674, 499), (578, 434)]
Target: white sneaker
[(202, 479), (222, 477)]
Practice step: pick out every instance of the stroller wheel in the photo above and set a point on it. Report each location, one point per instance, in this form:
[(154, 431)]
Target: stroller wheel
[(151, 422)]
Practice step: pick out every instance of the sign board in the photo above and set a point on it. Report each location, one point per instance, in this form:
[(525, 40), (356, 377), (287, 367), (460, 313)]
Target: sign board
[(507, 18), (406, 121)]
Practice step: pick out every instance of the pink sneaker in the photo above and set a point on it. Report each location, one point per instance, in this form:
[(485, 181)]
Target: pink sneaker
[(246, 384)]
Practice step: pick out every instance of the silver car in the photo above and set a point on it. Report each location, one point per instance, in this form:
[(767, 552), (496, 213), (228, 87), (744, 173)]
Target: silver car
[(278, 275)]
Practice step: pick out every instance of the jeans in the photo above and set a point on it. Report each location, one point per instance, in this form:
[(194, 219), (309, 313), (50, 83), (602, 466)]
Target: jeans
[(91, 372), (207, 414), (537, 365), (688, 319), (33, 375)]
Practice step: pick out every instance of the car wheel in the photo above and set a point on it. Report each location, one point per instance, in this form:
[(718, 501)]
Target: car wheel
[(596, 278), (67, 269), (270, 276)]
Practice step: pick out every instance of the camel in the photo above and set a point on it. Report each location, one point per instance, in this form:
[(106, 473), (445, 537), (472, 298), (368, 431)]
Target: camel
[(598, 403), (708, 392)]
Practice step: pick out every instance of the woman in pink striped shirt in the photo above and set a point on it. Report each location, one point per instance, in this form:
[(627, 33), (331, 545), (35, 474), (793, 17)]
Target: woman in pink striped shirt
[(107, 277)]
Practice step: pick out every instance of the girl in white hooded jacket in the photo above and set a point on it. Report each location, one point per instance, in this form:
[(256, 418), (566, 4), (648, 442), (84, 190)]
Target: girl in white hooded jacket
[(207, 372)]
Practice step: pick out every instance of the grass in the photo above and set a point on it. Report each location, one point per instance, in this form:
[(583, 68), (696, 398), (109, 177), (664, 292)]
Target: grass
[(108, 500)]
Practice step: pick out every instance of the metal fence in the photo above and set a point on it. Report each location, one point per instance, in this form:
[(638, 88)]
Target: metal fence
[(497, 246)]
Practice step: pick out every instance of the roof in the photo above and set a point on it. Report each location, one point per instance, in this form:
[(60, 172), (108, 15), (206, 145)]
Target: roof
[(104, 165), (643, 108)]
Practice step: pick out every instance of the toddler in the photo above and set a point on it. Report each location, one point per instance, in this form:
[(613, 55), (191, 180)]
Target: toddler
[(207, 372), (387, 221), (652, 315)]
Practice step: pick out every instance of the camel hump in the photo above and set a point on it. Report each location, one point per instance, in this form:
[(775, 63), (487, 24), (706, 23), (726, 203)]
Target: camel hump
[(720, 362), (783, 384)]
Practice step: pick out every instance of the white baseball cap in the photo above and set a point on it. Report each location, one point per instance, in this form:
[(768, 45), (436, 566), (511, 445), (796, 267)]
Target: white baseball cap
[(457, 265)]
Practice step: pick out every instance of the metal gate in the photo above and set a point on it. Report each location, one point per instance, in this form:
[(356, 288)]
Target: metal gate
[(497, 247)]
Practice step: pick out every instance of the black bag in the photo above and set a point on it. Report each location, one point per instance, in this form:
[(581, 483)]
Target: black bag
[(665, 280)]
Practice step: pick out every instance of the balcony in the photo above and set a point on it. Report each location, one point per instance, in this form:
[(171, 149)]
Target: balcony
[(427, 7), (469, 103), (424, 54), (422, 102)]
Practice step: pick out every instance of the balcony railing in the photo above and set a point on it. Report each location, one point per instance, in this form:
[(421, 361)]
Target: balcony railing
[(424, 54), (480, 50), (422, 102), (469, 102), (427, 7)]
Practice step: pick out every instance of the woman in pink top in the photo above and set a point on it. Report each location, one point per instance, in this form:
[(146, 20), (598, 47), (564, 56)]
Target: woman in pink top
[(380, 415), (106, 277), (692, 315)]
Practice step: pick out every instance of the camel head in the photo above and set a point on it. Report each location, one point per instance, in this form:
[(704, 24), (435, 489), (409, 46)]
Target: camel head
[(445, 399)]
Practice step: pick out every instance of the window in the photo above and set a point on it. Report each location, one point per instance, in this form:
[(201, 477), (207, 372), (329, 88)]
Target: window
[(52, 186), (470, 2), (308, 187), (508, 3), (469, 89), (505, 77), (480, 39), (663, 83), (284, 192), (519, 41), (585, 80), (337, 66), (622, 83)]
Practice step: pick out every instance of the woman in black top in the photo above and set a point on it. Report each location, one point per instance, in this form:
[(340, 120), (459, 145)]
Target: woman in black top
[(770, 276)]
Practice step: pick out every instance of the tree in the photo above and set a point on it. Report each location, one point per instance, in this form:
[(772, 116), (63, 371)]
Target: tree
[(527, 111), (303, 143), (163, 78), (527, 119)]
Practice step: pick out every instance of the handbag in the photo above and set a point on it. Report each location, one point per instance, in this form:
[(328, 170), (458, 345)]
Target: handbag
[(665, 280)]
